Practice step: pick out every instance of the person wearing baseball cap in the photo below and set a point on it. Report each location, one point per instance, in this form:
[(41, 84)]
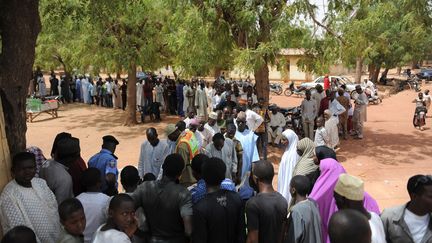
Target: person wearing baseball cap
[(106, 162), (349, 194)]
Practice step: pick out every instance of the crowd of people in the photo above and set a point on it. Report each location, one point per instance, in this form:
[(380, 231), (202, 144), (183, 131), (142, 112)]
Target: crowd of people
[(208, 180), (205, 182)]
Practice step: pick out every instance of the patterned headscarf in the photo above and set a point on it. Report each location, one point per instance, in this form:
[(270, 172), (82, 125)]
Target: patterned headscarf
[(40, 158), (306, 164)]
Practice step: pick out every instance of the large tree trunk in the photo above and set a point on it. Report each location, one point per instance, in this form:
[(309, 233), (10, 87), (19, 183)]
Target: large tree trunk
[(384, 74), (5, 159), (375, 75), (359, 67), (371, 70), (19, 28), (262, 82), (399, 70), (130, 119), (217, 72)]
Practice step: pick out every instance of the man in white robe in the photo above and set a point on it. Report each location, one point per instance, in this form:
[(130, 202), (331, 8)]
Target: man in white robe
[(212, 125), (248, 141), (206, 135), (85, 90), (139, 94), (331, 126), (186, 92), (153, 153), (223, 148), (28, 201), (201, 101), (159, 94), (359, 116), (190, 115)]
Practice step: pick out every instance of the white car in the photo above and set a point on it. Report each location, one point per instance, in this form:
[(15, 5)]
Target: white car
[(334, 80)]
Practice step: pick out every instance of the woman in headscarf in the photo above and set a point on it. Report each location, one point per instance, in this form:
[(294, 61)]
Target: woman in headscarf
[(287, 164), (323, 189), (40, 158), (306, 165)]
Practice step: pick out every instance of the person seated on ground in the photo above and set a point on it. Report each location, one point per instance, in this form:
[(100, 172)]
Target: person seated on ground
[(28, 201), (55, 171), (266, 212), (73, 219), (130, 180), (304, 220), (321, 136), (411, 222), (223, 148), (152, 154), (349, 194), (199, 190), (168, 205), (419, 120), (275, 126), (218, 217), (331, 126), (349, 226), (190, 116), (106, 162), (19, 234), (211, 124), (95, 202), (121, 223)]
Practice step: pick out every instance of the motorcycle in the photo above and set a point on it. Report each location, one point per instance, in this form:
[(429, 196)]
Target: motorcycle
[(290, 90), (276, 88), (373, 99), (414, 83), (293, 119)]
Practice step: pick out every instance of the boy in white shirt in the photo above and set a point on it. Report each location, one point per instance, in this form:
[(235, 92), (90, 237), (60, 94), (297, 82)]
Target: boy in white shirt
[(321, 135)]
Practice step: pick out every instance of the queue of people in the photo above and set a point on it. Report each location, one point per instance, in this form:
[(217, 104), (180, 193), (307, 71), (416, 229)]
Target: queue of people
[(197, 186)]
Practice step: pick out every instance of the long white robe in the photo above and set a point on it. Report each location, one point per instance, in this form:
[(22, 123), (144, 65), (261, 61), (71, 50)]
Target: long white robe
[(227, 154), (42, 86), (159, 95), (248, 141), (139, 94), (287, 164), (331, 126), (186, 90), (34, 207), (201, 102), (85, 90), (210, 92), (151, 158)]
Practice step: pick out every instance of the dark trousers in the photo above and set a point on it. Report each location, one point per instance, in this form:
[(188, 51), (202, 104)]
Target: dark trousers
[(109, 101), (124, 99), (180, 108)]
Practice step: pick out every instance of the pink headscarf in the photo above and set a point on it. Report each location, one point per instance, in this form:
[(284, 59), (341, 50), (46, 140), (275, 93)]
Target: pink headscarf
[(322, 193)]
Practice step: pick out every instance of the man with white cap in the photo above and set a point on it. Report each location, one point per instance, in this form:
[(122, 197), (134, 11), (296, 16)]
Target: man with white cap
[(349, 194), (211, 124)]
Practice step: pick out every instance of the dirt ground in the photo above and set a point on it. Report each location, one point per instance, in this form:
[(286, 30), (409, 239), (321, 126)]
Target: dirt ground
[(390, 153)]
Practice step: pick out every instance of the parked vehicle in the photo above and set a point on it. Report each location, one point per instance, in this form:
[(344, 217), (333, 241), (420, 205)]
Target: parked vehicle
[(293, 119), (336, 82), (373, 99), (425, 74), (275, 88), (290, 90)]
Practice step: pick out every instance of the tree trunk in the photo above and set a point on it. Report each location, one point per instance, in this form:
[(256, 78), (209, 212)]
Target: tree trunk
[(359, 67), (262, 82), (375, 75), (384, 74), (5, 159), (217, 72), (20, 26), (371, 70), (130, 119), (399, 70)]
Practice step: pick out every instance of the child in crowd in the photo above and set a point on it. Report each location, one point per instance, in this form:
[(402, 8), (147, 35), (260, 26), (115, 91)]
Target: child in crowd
[(73, 219), (321, 135), (95, 203), (20, 234), (121, 223)]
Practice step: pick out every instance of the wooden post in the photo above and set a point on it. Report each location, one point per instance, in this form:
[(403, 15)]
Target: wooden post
[(5, 159)]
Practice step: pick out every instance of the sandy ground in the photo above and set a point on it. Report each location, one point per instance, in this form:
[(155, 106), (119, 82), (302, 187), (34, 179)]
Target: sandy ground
[(391, 152)]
